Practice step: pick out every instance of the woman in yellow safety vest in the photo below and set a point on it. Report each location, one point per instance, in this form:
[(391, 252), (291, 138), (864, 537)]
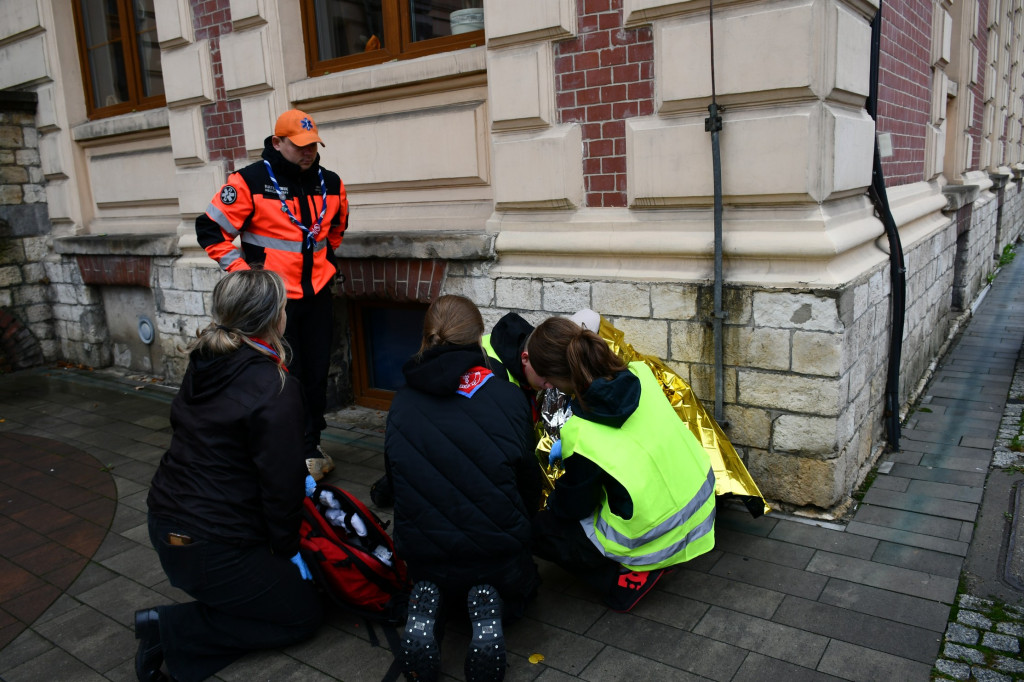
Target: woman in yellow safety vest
[(638, 492)]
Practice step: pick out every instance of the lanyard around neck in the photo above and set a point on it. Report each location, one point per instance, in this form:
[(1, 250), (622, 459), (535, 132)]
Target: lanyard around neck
[(266, 347), (310, 232)]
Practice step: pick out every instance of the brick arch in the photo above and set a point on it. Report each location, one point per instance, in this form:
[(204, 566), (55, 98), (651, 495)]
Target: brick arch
[(19, 348)]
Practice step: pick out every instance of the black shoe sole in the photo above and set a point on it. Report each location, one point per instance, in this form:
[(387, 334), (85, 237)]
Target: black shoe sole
[(421, 655), (485, 659), (149, 656)]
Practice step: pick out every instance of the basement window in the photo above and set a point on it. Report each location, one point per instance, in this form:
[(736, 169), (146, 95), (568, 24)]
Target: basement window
[(384, 336)]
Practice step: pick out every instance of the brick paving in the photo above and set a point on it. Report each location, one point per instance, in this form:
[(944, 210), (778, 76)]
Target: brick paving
[(778, 597)]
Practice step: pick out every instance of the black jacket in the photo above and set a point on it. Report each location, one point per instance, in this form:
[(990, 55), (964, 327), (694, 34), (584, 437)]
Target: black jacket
[(465, 476), (508, 339), (235, 469)]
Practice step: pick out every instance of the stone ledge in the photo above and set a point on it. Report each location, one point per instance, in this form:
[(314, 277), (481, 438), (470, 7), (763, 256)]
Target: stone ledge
[(958, 196), (430, 73), (428, 244), (134, 122), (160, 244), (999, 180)]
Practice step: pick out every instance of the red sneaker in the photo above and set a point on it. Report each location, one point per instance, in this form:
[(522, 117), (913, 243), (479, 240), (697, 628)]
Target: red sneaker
[(630, 588)]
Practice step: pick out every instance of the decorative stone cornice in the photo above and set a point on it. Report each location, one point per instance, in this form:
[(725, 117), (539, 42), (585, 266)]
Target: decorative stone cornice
[(958, 196), (161, 244), (428, 244)]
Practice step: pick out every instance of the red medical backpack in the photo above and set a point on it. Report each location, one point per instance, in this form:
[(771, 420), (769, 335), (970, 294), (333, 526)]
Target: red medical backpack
[(351, 555)]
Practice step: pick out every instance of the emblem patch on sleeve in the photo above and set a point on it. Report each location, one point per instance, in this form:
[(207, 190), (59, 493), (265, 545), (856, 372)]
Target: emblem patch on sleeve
[(472, 380), (228, 194)]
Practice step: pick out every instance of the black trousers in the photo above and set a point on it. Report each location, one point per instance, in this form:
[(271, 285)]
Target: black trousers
[(564, 542), (309, 333), (516, 579), (246, 599)]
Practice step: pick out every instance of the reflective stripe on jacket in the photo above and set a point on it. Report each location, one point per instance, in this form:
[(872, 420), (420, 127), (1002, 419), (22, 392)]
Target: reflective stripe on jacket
[(248, 208), (667, 474)]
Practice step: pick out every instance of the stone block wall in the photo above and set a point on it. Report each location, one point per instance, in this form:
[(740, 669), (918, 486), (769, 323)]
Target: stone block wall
[(184, 293), (804, 370), (27, 336), (79, 318), (1013, 215), (981, 244), (929, 313)]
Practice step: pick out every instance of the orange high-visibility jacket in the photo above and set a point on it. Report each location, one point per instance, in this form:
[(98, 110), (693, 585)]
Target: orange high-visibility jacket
[(248, 208)]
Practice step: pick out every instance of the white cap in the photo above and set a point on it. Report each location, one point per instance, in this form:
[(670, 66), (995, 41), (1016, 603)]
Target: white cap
[(588, 319)]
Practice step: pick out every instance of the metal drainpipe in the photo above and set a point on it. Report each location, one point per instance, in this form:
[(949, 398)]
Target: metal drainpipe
[(897, 269), (713, 125)]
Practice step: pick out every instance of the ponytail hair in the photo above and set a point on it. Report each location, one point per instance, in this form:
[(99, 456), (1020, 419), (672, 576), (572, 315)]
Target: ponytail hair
[(247, 305), (561, 349), (451, 320)]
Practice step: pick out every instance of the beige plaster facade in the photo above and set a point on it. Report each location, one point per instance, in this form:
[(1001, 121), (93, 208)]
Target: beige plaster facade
[(439, 151)]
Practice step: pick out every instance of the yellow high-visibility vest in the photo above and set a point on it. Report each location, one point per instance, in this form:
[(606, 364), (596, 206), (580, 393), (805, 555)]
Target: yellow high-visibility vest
[(667, 474)]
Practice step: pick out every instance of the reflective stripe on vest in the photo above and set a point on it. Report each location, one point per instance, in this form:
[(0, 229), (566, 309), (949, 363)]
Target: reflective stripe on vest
[(706, 492), (279, 244), (657, 557), (665, 471)]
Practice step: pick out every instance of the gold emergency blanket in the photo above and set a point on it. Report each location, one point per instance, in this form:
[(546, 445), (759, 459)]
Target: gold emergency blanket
[(731, 475)]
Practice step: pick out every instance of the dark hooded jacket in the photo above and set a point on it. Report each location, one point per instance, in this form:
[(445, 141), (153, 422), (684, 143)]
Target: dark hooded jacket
[(508, 339), (579, 490), (465, 476), (235, 469)]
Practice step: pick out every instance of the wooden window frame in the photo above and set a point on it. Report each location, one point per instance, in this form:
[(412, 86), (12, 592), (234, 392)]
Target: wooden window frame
[(397, 32), (133, 68), (362, 393)]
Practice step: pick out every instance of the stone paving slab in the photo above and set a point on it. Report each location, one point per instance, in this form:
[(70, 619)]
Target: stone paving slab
[(863, 664), (922, 504), (918, 559), (821, 538), (945, 491), (905, 641), (902, 520), (894, 578), (874, 601)]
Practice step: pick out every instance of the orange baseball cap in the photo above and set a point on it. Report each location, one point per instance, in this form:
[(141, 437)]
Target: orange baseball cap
[(297, 126)]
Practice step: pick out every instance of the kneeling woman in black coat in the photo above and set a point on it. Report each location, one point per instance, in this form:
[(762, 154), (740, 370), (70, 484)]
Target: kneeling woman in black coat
[(226, 501), (460, 450)]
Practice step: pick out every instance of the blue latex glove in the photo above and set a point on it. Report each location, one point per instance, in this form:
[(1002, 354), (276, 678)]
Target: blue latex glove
[(556, 452), (310, 485), (303, 568)]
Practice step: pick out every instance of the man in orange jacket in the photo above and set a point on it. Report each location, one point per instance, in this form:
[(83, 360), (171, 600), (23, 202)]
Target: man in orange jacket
[(289, 215)]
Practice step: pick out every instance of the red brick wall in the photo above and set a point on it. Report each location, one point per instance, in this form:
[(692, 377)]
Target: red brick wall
[(604, 76), (978, 118), (222, 119), (391, 279), (115, 270), (904, 87)]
